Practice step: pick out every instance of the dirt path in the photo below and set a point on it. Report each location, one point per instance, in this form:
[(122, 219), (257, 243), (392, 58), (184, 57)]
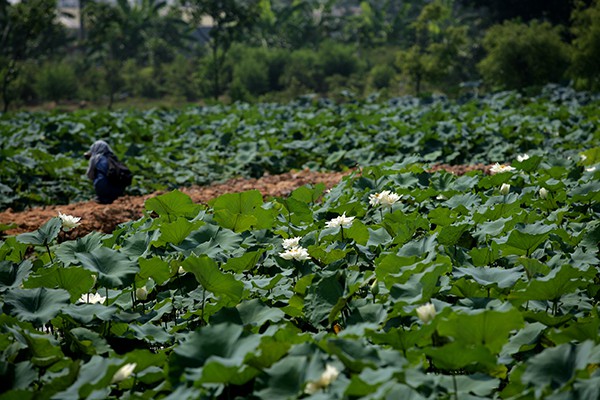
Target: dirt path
[(104, 218)]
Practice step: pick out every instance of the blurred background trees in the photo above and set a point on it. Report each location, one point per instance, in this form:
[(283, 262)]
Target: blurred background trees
[(102, 51)]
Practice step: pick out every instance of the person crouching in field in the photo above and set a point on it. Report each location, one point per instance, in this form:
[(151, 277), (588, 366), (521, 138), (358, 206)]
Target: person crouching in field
[(110, 176)]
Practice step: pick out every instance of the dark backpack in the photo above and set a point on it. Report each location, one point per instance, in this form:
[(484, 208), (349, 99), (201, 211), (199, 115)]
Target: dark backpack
[(118, 173)]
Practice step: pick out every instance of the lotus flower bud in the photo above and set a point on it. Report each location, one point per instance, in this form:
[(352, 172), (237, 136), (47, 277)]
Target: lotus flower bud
[(141, 293), (124, 372), (426, 312)]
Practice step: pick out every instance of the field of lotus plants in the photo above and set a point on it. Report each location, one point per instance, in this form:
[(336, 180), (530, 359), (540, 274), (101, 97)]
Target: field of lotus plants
[(398, 283)]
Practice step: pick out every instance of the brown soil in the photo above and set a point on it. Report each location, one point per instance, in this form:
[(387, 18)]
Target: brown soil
[(105, 217)]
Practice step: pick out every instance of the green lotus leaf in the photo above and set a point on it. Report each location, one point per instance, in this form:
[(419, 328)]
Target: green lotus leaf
[(212, 241), (86, 313), (581, 259), (249, 313), (37, 305), (525, 339), (224, 344), (308, 194), (357, 232), (526, 238), (488, 328), (207, 273), (451, 234), (587, 388), (175, 232), (555, 367), (284, 379), (584, 329), (67, 251), (489, 229), (419, 247), (455, 356), (17, 376), (44, 349), (503, 278), (151, 333), (556, 284), (74, 280), (242, 211), (468, 200), (44, 235), (245, 262), (113, 268), (88, 342), (12, 275), (173, 204), (354, 353), (322, 296), (138, 244), (12, 250), (485, 255), (587, 192), (155, 268), (297, 212), (93, 377), (529, 165)]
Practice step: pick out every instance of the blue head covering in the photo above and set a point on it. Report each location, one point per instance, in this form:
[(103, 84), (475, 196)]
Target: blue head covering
[(99, 148)]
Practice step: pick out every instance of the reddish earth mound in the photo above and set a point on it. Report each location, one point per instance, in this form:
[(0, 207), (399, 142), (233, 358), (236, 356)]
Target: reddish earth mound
[(104, 218)]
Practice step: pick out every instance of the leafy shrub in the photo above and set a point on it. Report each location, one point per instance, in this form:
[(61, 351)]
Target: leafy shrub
[(586, 47), (302, 70), (337, 59), (141, 81), (381, 76), (250, 76), (520, 55), (180, 78), (56, 81)]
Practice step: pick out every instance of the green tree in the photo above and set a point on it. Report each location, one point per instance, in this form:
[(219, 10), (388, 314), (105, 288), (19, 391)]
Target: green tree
[(586, 47), (136, 31), (231, 20), (28, 30), (522, 55), (438, 48)]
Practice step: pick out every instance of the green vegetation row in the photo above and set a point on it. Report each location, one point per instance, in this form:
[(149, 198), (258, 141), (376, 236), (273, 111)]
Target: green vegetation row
[(41, 158), (397, 283), (267, 50)]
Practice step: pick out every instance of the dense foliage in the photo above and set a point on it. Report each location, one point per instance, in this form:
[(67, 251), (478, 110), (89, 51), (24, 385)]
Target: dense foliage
[(41, 153), (398, 283), (189, 50)]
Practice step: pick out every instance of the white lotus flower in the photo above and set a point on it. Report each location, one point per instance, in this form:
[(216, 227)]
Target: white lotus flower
[(590, 169), (141, 293), (291, 242), (521, 158), (327, 377), (92, 298), (505, 188), (426, 312), (68, 221), (543, 193), (441, 197), (295, 253), (181, 271), (124, 372), (342, 221), (583, 157), (497, 168), (385, 198)]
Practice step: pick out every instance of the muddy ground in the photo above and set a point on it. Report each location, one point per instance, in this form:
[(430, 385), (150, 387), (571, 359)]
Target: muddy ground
[(104, 218)]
